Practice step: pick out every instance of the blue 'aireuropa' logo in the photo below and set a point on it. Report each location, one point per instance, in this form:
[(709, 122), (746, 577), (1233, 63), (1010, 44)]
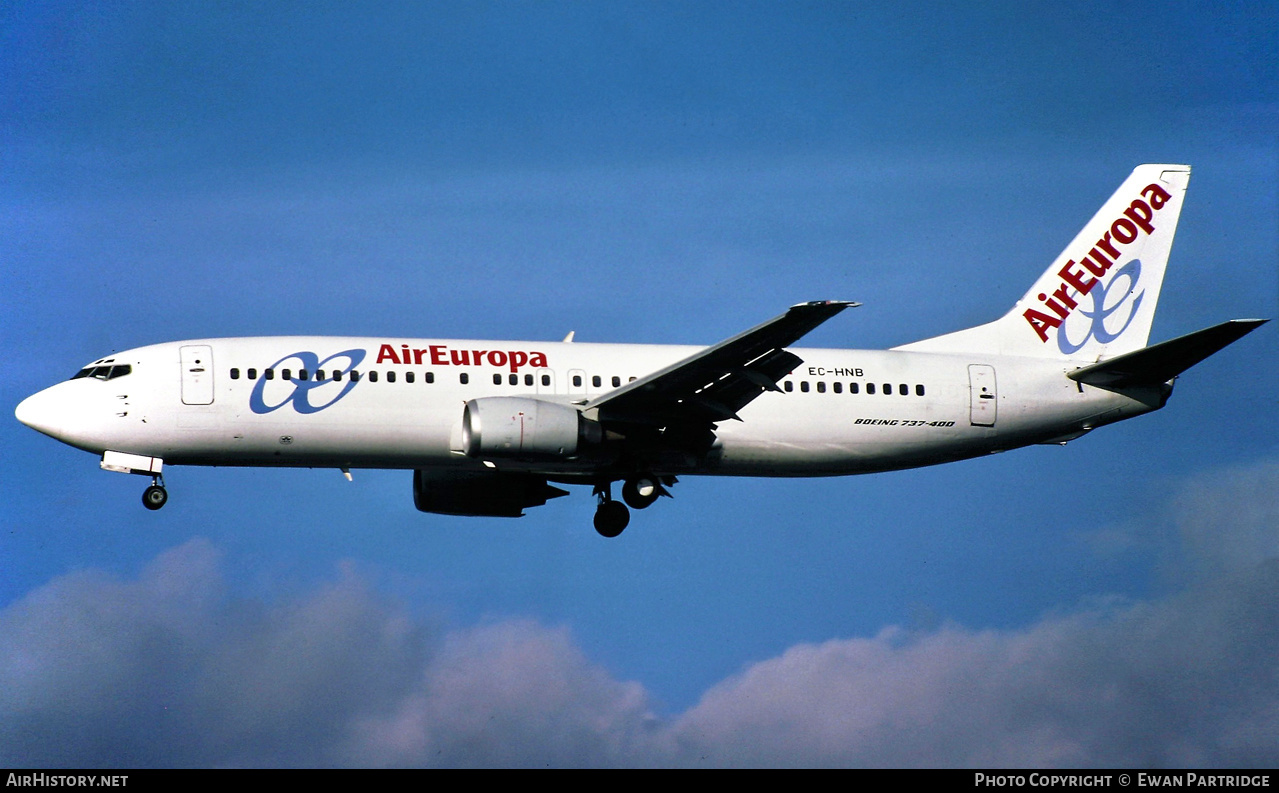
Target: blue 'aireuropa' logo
[(1130, 273), (300, 395)]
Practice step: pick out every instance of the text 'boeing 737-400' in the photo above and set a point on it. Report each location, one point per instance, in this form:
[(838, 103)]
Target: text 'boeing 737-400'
[(488, 426)]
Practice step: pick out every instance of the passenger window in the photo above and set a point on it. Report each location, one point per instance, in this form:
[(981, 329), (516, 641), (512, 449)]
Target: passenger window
[(528, 379), (390, 376), (821, 387), (430, 377), (355, 375), (617, 381), (630, 379), (235, 373), (546, 379), (286, 374), (513, 379), (595, 381), (373, 376), (839, 387), (888, 389), (269, 374), (319, 374), (408, 377), (337, 375), (497, 379), (870, 388), (302, 375), (903, 389), (577, 380), (464, 378), (789, 386), (253, 374), (919, 390), (803, 386)]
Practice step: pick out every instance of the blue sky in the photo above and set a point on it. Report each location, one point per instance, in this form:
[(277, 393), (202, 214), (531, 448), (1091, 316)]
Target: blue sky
[(656, 172)]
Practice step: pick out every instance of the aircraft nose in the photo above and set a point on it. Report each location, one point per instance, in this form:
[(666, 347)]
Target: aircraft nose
[(41, 413)]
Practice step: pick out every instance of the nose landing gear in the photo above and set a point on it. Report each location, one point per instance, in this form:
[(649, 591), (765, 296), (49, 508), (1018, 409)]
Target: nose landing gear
[(155, 496)]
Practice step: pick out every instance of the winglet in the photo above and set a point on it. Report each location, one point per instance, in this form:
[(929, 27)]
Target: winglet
[(842, 304), (569, 337), (806, 316)]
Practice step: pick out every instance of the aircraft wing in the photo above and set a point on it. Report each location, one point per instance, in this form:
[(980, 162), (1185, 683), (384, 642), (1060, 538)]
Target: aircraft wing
[(716, 382)]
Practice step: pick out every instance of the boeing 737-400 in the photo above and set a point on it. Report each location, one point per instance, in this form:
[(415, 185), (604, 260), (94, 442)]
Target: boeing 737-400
[(487, 426)]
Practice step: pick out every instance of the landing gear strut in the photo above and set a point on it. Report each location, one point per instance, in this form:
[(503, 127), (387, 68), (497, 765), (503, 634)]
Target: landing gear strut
[(155, 496), (611, 516)]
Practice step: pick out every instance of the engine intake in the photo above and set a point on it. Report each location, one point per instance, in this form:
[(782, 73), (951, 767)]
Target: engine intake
[(522, 427)]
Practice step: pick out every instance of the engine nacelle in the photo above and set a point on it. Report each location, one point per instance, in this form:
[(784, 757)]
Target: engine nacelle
[(523, 427), (480, 493)]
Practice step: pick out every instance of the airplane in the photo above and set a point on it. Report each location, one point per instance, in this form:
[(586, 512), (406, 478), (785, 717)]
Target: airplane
[(488, 426)]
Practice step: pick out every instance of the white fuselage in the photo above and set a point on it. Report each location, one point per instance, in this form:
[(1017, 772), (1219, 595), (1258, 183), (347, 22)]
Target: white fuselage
[(209, 402)]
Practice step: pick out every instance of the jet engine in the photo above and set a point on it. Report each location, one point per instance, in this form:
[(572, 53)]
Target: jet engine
[(480, 493), (523, 427)]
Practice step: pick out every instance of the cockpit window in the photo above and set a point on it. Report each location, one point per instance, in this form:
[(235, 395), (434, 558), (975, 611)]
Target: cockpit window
[(103, 372)]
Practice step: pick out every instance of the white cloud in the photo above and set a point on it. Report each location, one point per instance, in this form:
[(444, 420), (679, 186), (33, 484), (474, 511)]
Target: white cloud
[(1229, 520), (510, 694), (170, 669), (1145, 684)]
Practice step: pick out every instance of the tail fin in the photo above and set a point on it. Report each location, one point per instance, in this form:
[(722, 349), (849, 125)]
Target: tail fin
[(1098, 298)]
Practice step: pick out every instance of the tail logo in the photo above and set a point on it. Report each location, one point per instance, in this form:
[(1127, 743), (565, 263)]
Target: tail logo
[(1083, 277), (1130, 274)]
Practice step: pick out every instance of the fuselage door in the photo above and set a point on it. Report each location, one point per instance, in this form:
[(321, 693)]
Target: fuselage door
[(197, 374), (984, 398)]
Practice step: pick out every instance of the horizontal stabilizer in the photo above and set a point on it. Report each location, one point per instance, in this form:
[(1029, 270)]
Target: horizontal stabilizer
[(1162, 362)]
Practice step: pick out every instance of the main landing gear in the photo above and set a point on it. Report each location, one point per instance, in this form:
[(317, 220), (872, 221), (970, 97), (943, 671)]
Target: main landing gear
[(155, 496), (611, 516), (640, 491)]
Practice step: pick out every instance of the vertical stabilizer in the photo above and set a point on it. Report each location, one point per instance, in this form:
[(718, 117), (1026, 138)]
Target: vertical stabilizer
[(1098, 298)]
